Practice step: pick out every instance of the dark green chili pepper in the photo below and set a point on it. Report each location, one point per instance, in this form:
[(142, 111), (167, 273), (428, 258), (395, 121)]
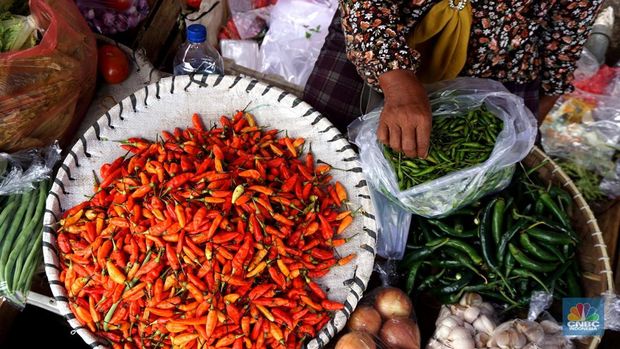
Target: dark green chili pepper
[(484, 233), (431, 280), (450, 231), (456, 285), (445, 263), (534, 249), (498, 220), (550, 237), (415, 255), (529, 263), (411, 276), (562, 196), (554, 209), (557, 274), (465, 247), (572, 283), (528, 274), (509, 263), (507, 237)]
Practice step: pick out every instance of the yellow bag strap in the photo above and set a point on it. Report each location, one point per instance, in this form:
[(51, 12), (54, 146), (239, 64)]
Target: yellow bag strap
[(444, 31)]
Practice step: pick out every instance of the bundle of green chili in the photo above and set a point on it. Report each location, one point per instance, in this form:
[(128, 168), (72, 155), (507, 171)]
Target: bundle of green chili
[(457, 142), (504, 247)]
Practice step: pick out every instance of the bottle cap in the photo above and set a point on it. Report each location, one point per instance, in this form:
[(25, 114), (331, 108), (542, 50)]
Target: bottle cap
[(196, 33)]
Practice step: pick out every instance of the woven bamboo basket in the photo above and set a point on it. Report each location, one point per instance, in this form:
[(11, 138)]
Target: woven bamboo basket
[(597, 278)]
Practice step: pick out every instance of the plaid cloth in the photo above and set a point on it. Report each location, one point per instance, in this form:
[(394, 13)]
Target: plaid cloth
[(334, 88)]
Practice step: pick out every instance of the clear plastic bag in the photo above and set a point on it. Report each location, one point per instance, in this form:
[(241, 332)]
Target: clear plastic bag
[(383, 319), (446, 194), (243, 52), (18, 171), (24, 178), (45, 90), (393, 226), (295, 37), (584, 129)]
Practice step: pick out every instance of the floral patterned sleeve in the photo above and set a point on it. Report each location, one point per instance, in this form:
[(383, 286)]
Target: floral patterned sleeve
[(375, 37), (564, 33)]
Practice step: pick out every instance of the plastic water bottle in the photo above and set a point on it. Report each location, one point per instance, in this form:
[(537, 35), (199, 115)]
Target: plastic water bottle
[(197, 55)]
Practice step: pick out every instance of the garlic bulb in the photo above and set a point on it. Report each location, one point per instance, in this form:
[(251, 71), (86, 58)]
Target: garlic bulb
[(470, 299), (435, 344), (486, 309), (471, 314), (484, 324), (460, 338), (533, 331), (458, 310), (447, 324), (481, 339)]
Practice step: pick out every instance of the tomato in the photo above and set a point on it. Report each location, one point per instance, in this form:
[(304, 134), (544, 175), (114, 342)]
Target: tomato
[(113, 64), (194, 3)]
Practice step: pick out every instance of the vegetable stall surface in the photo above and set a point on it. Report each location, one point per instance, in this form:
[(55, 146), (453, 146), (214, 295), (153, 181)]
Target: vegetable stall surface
[(457, 142), (504, 247), (206, 238)]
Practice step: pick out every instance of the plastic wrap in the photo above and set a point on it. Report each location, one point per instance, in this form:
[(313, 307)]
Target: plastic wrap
[(243, 52), (45, 90), (295, 37), (584, 128), (24, 184), (252, 23), (106, 19), (446, 194), (539, 302), (393, 226), (384, 317), (19, 171)]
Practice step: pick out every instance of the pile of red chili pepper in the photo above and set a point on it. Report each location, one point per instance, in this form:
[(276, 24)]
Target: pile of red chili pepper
[(206, 238)]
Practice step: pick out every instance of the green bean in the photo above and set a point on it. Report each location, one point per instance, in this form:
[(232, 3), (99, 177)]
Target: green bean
[(7, 215), (7, 243), (17, 249)]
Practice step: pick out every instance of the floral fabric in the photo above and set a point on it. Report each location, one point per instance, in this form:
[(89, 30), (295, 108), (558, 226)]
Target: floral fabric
[(515, 41)]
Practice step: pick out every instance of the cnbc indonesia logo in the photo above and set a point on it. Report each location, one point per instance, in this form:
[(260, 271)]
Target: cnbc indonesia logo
[(583, 317)]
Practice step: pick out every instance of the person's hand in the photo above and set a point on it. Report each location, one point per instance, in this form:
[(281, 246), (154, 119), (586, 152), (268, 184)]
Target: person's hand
[(405, 123), (545, 105)]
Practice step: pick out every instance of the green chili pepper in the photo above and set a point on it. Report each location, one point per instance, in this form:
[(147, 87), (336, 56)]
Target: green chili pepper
[(550, 237), (411, 276), (484, 233), (507, 237), (528, 274), (529, 263), (498, 220), (555, 210), (456, 285), (534, 249)]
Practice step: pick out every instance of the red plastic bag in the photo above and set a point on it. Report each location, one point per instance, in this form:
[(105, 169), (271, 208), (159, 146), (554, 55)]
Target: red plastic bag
[(46, 90)]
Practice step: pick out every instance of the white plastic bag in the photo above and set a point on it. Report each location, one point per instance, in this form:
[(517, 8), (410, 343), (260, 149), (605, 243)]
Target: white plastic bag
[(446, 194), (243, 52), (392, 225), (295, 37)]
